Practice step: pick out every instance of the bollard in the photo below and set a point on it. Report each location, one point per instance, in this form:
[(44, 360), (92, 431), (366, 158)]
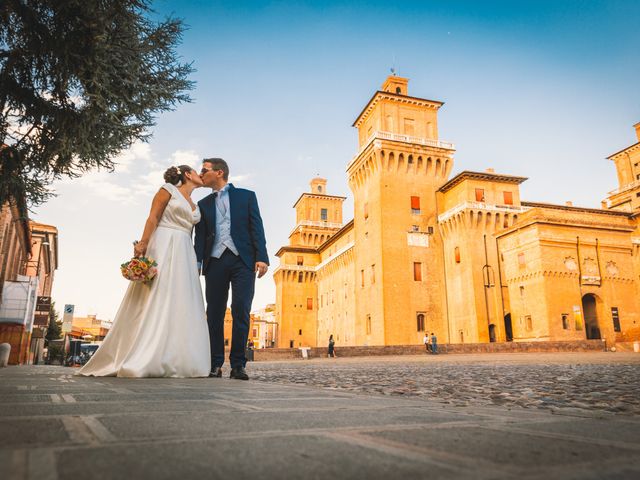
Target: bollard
[(5, 350)]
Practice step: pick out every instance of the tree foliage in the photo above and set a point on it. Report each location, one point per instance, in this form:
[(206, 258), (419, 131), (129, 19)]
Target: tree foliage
[(54, 330), (79, 82)]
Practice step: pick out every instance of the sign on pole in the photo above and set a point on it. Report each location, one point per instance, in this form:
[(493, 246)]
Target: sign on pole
[(67, 319), (43, 304)]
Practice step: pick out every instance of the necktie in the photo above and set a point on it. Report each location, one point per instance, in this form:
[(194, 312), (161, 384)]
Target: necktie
[(220, 203)]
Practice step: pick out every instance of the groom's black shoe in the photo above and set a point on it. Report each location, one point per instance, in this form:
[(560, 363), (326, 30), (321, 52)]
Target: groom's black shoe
[(239, 374), (216, 372)]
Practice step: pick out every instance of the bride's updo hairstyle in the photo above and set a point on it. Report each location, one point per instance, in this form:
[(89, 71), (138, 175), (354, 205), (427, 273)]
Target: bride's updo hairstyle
[(175, 175)]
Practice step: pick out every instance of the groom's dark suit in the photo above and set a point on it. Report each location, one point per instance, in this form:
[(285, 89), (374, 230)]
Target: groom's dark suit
[(238, 271)]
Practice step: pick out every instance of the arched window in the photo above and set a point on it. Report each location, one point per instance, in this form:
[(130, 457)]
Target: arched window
[(398, 90), (420, 322)]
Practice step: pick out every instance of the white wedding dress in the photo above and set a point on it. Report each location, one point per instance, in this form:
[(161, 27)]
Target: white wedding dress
[(160, 329)]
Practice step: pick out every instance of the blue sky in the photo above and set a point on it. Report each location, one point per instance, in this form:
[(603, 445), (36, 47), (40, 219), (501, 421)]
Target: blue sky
[(540, 89)]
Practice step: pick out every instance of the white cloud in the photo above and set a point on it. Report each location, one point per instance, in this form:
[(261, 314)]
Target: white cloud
[(105, 185), (185, 157), (138, 153), (150, 182), (244, 179)]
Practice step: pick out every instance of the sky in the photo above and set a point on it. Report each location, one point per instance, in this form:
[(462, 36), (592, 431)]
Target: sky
[(541, 89)]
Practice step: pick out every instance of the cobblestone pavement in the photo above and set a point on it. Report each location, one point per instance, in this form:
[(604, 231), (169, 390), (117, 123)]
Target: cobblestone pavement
[(606, 382), (54, 426)]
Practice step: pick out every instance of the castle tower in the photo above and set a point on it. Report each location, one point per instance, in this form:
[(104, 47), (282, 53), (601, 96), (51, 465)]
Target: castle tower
[(400, 165), (318, 217), (474, 208), (627, 196)]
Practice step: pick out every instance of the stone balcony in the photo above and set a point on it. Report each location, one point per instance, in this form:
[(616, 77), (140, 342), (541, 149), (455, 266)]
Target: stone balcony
[(485, 207), (396, 137)]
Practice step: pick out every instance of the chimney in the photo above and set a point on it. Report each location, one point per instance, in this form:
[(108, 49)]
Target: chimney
[(637, 127), (569, 203)]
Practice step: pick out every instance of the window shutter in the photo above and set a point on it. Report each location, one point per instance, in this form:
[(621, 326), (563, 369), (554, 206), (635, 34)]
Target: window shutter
[(417, 271), (415, 203)]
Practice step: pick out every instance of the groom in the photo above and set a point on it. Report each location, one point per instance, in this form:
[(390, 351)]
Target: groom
[(230, 248)]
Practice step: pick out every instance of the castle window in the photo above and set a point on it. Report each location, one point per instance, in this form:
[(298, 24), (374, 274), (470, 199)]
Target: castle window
[(290, 343), (415, 205), (398, 90), (319, 188), (616, 319), (409, 126), (300, 261), (456, 252), (508, 198), (565, 321), (420, 322), (362, 278), (300, 277), (373, 273), (528, 323), (309, 303), (300, 332), (368, 326), (323, 214), (417, 271), (415, 228), (366, 210), (479, 194), (521, 261), (226, 342)]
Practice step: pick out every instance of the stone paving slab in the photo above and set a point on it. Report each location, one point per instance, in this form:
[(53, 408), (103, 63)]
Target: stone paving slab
[(112, 428)]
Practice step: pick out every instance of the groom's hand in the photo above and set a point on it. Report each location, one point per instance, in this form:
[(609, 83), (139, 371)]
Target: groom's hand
[(261, 268)]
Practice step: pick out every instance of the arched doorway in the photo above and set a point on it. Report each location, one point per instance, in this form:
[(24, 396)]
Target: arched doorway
[(590, 317), (507, 327), (492, 333)]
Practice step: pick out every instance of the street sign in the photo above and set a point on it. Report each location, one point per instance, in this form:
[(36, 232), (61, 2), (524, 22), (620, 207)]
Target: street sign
[(43, 304), (41, 319), (67, 318)]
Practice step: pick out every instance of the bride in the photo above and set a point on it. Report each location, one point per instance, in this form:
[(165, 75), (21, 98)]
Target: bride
[(160, 329)]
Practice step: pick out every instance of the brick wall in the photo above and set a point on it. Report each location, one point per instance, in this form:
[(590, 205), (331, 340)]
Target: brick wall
[(271, 354)]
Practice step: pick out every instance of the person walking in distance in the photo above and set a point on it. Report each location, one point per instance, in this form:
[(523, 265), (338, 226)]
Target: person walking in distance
[(434, 343), (332, 346), (426, 341)]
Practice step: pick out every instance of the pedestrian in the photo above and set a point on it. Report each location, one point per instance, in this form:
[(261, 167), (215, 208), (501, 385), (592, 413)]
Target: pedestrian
[(332, 351), (434, 343), (426, 341)]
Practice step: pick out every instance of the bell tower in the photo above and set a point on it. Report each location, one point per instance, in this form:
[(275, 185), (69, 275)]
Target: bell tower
[(627, 161), (318, 215), (400, 165)]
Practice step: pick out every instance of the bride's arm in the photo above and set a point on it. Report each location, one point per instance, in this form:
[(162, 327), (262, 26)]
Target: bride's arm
[(158, 205)]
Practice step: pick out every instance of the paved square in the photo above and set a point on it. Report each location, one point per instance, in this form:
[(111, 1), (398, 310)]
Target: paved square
[(401, 417)]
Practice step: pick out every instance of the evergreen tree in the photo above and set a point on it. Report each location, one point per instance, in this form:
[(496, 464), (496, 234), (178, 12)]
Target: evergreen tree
[(54, 330), (79, 82)]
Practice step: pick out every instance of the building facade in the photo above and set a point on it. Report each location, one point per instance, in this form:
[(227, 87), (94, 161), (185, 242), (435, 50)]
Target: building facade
[(28, 259), (462, 257)]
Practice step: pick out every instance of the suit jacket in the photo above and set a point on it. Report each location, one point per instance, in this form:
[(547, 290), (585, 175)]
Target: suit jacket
[(247, 230)]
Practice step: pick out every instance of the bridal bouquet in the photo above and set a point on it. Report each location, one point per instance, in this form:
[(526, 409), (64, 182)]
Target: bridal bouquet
[(139, 269)]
